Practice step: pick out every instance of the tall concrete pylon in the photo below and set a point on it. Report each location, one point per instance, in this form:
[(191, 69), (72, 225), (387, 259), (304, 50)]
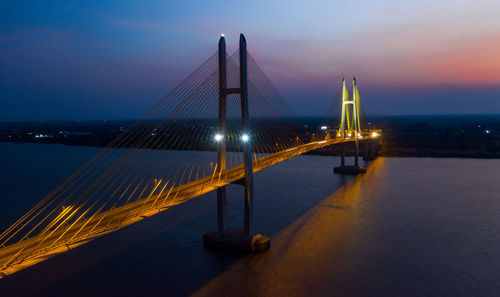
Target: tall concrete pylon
[(234, 239), (349, 127)]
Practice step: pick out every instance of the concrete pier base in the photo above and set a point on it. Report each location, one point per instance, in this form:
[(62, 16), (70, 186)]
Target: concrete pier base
[(235, 240), (349, 169)]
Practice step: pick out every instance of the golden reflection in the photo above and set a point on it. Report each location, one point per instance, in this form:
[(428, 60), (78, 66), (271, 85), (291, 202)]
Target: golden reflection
[(303, 258)]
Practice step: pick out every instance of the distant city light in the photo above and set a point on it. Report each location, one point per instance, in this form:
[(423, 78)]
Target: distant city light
[(245, 137), (359, 135), (218, 137), (349, 134), (324, 127), (43, 136), (487, 131), (375, 134)]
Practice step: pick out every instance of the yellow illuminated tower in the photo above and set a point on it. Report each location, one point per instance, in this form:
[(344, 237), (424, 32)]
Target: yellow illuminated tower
[(349, 128), (349, 119)]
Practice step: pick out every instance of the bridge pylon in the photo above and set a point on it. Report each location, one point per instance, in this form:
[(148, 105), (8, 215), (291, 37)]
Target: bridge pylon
[(226, 239), (349, 128)]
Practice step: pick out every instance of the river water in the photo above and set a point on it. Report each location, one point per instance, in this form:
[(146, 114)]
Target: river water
[(408, 227)]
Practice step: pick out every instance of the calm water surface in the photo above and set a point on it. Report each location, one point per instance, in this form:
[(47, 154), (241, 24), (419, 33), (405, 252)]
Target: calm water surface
[(408, 227)]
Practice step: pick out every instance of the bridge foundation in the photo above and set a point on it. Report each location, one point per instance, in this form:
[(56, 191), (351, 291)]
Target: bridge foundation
[(224, 239), (236, 240), (349, 169)]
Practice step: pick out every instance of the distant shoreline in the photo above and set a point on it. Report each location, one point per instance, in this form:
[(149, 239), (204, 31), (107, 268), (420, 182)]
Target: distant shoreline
[(465, 136), (441, 155)]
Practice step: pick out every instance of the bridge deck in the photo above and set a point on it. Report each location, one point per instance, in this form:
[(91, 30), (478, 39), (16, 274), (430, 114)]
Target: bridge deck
[(33, 250)]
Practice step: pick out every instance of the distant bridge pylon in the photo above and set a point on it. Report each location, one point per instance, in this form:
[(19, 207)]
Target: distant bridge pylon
[(350, 128)]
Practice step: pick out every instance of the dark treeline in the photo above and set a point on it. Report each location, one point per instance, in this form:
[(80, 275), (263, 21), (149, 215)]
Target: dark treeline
[(461, 136), (433, 136), (193, 134)]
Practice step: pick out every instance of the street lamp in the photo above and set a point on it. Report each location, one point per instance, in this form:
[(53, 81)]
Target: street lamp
[(218, 137)]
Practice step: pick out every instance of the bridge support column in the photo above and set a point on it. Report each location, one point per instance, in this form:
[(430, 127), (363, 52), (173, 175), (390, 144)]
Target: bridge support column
[(342, 155), (349, 169), (247, 146), (235, 240), (356, 151), (221, 130)]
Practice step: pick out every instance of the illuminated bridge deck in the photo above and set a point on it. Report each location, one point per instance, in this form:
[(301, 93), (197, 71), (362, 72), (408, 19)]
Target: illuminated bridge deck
[(36, 249)]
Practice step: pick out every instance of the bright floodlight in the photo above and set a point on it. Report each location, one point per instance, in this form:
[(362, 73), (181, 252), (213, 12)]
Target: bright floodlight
[(359, 135), (245, 137), (222, 35), (324, 127), (374, 134), (218, 137)]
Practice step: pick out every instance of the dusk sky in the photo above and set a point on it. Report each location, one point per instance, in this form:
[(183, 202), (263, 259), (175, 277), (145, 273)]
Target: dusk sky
[(66, 60)]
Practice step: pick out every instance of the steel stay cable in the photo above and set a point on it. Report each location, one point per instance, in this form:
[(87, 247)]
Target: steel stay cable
[(118, 138), (36, 226), (120, 186)]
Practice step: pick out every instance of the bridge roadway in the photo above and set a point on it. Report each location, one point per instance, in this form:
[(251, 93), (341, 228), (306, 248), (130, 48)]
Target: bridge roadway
[(30, 251)]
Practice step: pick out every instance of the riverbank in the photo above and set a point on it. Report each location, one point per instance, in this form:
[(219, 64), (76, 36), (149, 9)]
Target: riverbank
[(402, 136)]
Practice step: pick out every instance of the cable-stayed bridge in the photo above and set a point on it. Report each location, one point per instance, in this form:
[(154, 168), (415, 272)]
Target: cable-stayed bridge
[(219, 126)]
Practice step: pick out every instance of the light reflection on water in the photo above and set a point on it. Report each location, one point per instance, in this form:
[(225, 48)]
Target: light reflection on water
[(408, 227), (306, 256)]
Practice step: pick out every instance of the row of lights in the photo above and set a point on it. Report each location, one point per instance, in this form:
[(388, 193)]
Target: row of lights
[(245, 137), (374, 134), (218, 137)]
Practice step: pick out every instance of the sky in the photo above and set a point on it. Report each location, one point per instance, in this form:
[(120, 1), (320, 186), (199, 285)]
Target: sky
[(78, 60)]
